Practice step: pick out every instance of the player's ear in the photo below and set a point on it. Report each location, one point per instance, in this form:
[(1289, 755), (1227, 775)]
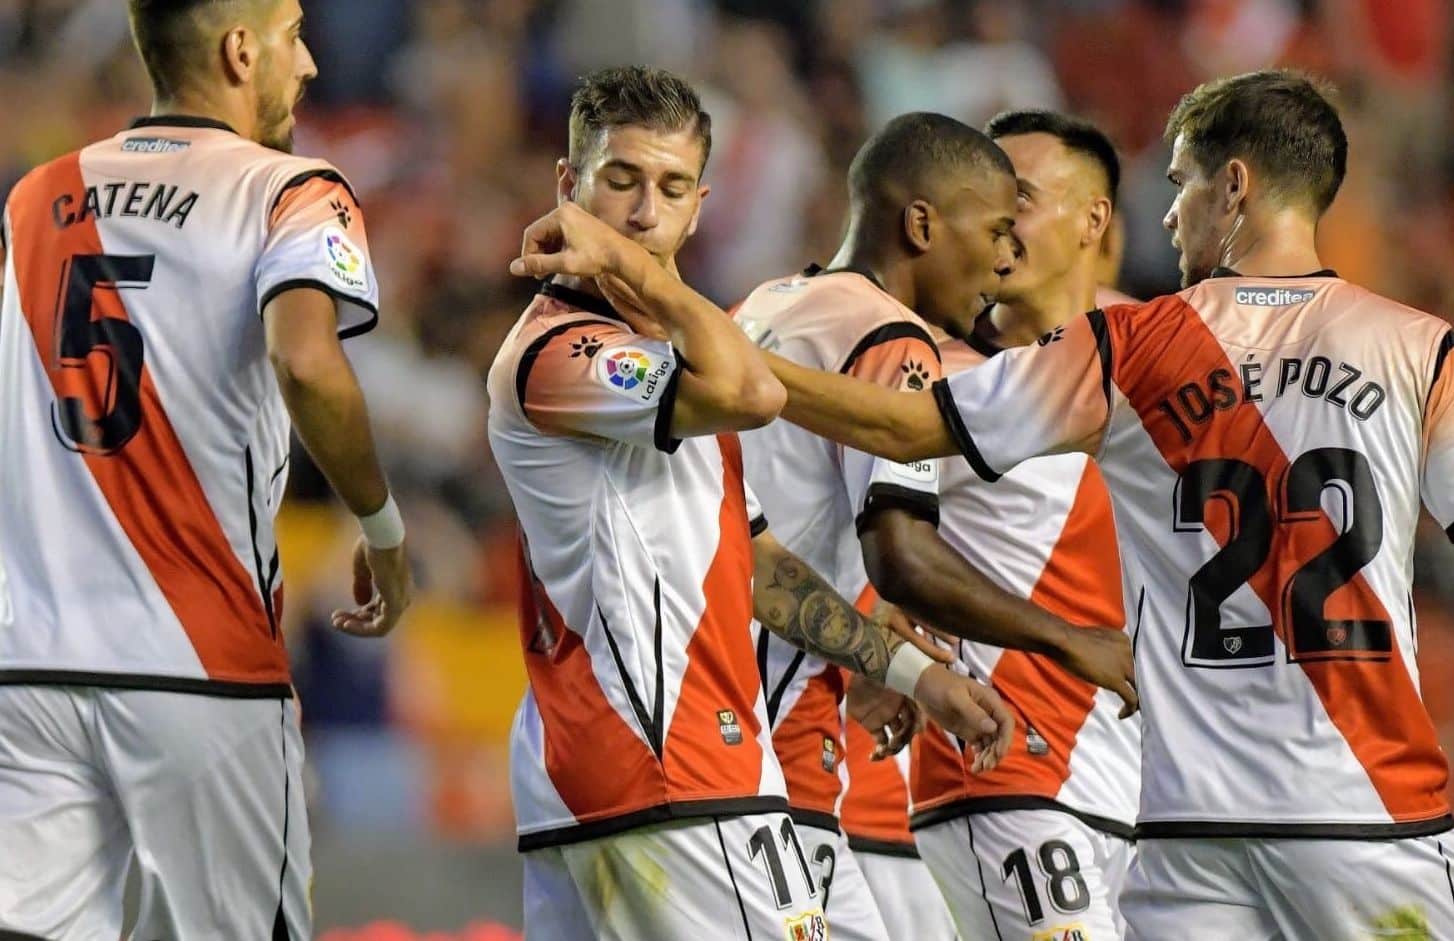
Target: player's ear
[(1098, 219), (239, 55), (918, 221), (565, 182), (702, 193), (1235, 180)]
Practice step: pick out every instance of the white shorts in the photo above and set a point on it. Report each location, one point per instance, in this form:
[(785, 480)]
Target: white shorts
[(847, 898), (1029, 875), (205, 792), (729, 878), (1291, 889), (907, 896)]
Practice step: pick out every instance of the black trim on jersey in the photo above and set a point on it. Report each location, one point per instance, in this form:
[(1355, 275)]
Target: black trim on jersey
[(263, 581), (864, 844), (660, 813), (6, 935), (1449, 531), (732, 877), (978, 341), (775, 701), (643, 718), (665, 410), (944, 397), (1448, 873), (180, 120), (1223, 272), (970, 806), (984, 889), (280, 920), (758, 526), (1445, 345), (816, 270), (1097, 318), (658, 707), (882, 496), (579, 300), (898, 330), (1218, 830), (327, 173), (347, 332), (817, 819), (224, 689), (533, 351)]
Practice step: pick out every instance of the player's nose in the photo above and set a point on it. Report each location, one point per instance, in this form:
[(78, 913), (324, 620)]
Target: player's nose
[(645, 215), (1169, 220)]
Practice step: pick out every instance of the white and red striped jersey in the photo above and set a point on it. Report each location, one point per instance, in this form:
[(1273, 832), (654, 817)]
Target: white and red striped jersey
[(146, 443), (1043, 531), (1265, 442), (644, 702), (817, 492)]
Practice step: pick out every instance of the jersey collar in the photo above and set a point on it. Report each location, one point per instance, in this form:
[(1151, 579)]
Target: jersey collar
[(1221, 272), (816, 270), (578, 299), (180, 120)]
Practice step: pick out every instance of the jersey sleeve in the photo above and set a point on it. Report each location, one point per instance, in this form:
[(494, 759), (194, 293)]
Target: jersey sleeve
[(899, 355), (756, 518), (1047, 398), (316, 239), (1438, 470), (595, 379)]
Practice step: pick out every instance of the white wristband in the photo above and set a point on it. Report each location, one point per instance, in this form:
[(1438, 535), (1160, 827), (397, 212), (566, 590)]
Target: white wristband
[(907, 665), (384, 529)]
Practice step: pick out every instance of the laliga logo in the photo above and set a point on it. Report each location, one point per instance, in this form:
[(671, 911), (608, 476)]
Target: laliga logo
[(345, 260), (626, 369)]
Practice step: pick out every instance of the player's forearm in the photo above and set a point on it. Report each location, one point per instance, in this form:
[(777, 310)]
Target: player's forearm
[(798, 605), (900, 426), (331, 417)]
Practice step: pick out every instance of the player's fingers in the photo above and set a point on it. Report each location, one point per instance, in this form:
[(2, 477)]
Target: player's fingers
[(1129, 696), (901, 626), (544, 235), (538, 265), (363, 576), (948, 638)]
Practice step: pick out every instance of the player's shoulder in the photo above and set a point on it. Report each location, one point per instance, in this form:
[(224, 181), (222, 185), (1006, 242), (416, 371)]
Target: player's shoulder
[(837, 309)]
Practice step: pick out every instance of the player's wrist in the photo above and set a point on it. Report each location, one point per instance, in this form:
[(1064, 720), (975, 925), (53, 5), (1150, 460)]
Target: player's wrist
[(384, 528), (906, 667)]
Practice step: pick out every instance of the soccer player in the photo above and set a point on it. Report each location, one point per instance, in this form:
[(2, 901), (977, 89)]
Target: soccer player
[(648, 798), (1039, 845), (172, 296), (1266, 436), (932, 204)]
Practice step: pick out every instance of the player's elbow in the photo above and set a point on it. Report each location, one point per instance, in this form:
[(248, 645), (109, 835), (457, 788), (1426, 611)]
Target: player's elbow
[(898, 571), (301, 368), (753, 402)]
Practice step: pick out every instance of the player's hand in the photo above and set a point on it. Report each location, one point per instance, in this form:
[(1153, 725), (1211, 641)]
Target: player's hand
[(890, 617), (570, 241), (383, 587), (891, 717), (1102, 655), (970, 710)]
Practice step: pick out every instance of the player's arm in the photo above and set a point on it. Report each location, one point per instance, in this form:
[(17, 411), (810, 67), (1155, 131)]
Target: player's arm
[(724, 384), (913, 567), (798, 605)]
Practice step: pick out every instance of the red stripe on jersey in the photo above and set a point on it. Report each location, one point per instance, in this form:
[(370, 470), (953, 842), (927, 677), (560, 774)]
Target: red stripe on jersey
[(1372, 703), (149, 484), (809, 743), (876, 806), (721, 671), (577, 719)]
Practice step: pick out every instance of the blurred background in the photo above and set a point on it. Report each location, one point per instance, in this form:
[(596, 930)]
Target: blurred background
[(448, 116)]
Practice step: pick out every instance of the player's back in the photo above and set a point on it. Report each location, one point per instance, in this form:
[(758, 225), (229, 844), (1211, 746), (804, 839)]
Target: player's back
[(1266, 447), (146, 442)]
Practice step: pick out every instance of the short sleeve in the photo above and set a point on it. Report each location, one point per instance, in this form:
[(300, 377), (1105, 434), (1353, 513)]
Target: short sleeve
[(592, 378), (756, 518), (316, 240), (899, 355), (1438, 470), (1047, 398)]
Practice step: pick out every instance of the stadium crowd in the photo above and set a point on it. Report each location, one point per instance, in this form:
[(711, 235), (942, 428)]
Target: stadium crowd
[(448, 116)]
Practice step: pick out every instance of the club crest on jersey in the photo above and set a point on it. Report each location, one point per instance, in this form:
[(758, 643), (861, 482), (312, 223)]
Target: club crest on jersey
[(830, 754), (1337, 636), (1065, 933), (728, 726), (345, 262), (1035, 743), (810, 927), (1232, 644), (634, 373)]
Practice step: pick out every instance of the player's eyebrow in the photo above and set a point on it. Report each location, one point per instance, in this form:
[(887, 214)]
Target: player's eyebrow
[(1026, 186), (673, 176)]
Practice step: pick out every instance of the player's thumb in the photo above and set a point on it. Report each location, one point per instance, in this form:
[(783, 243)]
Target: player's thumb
[(538, 266)]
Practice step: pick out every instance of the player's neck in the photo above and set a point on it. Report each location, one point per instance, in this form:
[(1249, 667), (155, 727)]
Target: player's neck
[(199, 104), (1280, 245), (1024, 320)]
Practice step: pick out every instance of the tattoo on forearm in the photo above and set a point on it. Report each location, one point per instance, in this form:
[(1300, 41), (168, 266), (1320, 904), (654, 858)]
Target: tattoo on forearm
[(795, 603)]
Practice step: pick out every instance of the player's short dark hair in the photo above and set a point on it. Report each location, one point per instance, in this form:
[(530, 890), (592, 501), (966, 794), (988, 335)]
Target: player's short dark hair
[(1280, 121), (1078, 135), (169, 37), (634, 96), (912, 152)]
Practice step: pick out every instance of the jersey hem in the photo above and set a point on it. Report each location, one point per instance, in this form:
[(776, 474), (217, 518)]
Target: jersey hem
[(898, 848), (1240, 829), (660, 813), (347, 332), (944, 398), (227, 689), (817, 819), (968, 806)]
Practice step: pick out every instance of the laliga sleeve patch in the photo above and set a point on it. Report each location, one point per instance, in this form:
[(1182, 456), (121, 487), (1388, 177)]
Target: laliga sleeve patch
[(634, 373), (345, 261), (916, 472)]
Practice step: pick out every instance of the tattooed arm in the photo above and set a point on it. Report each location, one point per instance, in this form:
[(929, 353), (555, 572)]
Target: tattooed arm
[(798, 605)]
